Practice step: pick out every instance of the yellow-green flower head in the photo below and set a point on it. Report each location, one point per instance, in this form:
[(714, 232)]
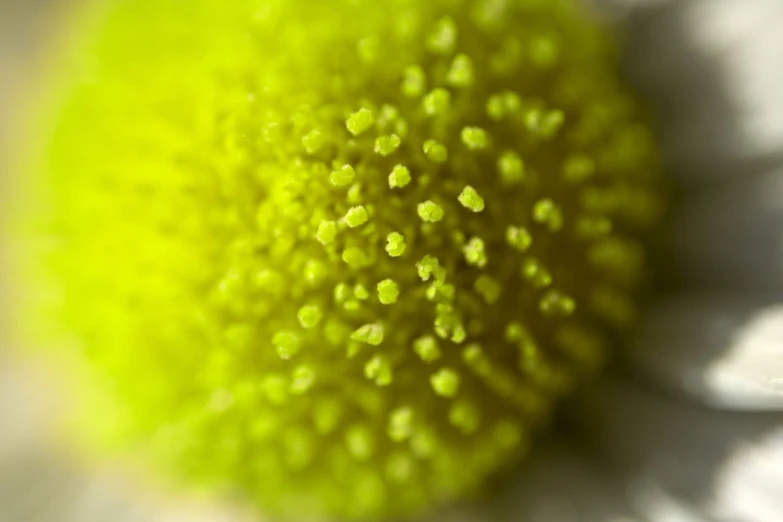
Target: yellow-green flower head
[(344, 255)]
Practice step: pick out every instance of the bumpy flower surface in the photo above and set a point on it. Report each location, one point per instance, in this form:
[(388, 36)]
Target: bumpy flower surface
[(345, 255)]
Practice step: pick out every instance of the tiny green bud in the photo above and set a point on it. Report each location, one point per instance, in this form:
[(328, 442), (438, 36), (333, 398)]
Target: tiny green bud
[(399, 177), (430, 211), (371, 333), (386, 145), (445, 382), (471, 200), (435, 151), (343, 176), (309, 316), (474, 138), (356, 216), (360, 121), (388, 292)]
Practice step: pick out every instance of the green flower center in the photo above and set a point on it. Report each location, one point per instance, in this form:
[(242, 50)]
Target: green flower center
[(345, 256)]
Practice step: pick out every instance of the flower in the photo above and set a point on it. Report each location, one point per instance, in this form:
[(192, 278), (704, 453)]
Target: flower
[(627, 404), (346, 269)]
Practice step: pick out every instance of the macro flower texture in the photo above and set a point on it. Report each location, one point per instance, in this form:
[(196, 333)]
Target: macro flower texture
[(442, 260)]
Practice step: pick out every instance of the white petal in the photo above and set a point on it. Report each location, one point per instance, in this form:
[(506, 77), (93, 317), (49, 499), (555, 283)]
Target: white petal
[(44, 486), (752, 479), (727, 352), (712, 69), (731, 236), (725, 465), (42, 481), (28, 413)]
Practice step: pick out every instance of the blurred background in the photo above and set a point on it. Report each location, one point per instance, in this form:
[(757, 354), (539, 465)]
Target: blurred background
[(710, 69), (41, 479)]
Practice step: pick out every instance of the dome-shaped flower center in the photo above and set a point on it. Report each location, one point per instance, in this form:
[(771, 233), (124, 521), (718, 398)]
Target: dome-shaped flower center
[(349, 253)]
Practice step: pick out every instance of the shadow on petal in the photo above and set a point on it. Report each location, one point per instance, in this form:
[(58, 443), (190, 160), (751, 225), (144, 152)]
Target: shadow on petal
[(723, 465), (708, 68), (730, 237), (726, 352), (558, 483)]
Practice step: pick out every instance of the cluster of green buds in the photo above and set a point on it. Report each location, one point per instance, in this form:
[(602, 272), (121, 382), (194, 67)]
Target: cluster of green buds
[(345, 256)]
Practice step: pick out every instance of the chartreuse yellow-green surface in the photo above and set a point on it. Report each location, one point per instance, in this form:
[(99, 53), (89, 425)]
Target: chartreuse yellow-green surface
[(345, 256)]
